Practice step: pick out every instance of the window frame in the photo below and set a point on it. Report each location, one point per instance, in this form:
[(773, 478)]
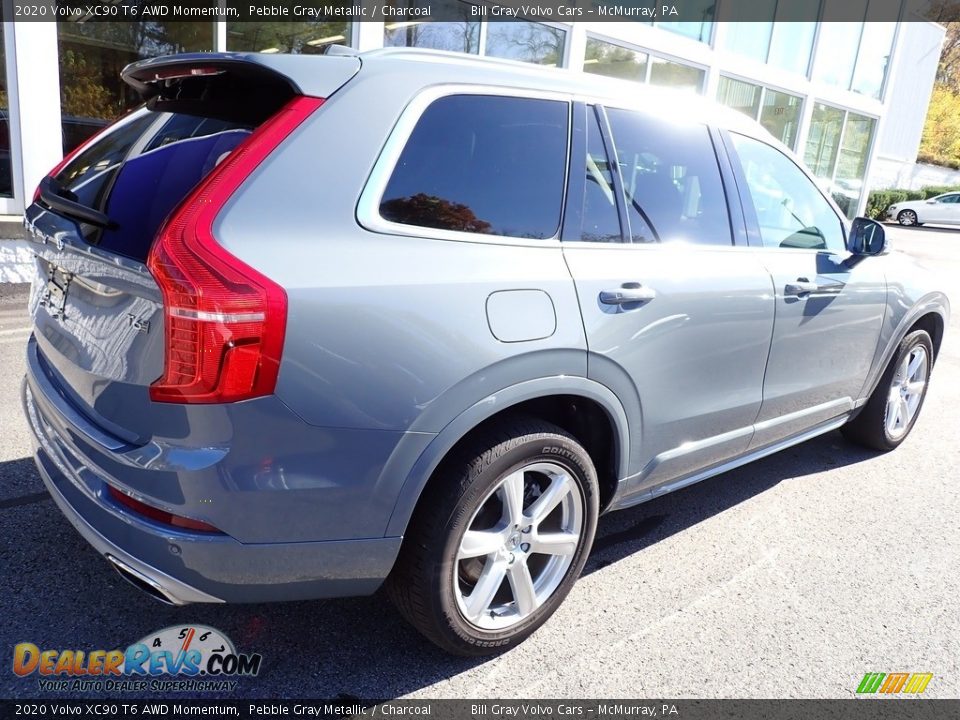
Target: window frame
[(651, 54), (749, 210), (368, 206)]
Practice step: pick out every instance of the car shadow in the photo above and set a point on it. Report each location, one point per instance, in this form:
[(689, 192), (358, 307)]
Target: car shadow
[(62, 594)]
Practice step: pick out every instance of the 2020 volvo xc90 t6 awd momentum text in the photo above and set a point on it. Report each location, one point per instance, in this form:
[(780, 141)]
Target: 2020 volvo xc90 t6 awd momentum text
[(304, 325)]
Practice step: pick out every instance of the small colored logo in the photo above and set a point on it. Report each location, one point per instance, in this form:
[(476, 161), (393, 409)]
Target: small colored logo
[(894, 683), (188, 651)]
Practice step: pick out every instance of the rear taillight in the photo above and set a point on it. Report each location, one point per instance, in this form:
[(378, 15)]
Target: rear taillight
[(224, 321)]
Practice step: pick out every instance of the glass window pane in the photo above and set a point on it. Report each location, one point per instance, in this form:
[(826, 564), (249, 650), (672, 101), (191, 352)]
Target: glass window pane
[(684, 77), (603, 58), (671, 180), (92, 54), (527, 41), (750, 39), (307, 38), (780, 115), (791, 211), (6, 168), (463, 36), (794, 27), (852, 164), (703, 10), (600, 220), (483, 164), (875, 48), (739, 95), (823, 140), (837, 51)]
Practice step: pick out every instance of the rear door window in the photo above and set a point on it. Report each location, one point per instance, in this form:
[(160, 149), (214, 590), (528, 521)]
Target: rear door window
[(483, 164), (137, 172), (671, 179)]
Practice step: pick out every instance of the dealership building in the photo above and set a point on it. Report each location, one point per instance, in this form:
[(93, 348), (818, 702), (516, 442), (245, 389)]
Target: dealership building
[(846, 96)]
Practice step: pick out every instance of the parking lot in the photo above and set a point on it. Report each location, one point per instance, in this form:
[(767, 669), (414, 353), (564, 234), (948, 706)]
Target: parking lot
[(791, 577)]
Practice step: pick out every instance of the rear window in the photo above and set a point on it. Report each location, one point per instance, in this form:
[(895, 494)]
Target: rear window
[(483, 164), (137, 172)]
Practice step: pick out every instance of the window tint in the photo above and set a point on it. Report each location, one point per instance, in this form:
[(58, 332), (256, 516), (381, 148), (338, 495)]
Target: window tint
[(138, 172), (948, 199), (601, 222), (483, 164), (791, 210), (671, 180)]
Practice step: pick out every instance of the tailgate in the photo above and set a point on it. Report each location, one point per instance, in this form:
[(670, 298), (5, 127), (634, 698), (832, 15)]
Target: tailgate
[(98, 313)]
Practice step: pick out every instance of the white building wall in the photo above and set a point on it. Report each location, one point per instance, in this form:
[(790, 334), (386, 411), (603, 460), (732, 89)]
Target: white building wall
[(908, 93)]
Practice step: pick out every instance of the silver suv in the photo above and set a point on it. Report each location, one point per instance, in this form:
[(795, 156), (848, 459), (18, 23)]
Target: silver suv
[(307, 324)]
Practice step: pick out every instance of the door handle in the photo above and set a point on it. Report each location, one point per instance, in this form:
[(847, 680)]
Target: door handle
[(627, 294), (804, 287)]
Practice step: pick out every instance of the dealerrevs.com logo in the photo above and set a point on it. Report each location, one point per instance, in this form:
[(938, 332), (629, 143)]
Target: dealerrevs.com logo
[(200, 657)]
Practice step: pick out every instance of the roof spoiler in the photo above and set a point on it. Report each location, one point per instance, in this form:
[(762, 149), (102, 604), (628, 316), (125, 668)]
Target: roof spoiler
[(298, 74)]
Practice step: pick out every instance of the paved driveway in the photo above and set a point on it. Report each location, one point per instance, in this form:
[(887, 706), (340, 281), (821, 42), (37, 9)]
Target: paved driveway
[(789, 577)]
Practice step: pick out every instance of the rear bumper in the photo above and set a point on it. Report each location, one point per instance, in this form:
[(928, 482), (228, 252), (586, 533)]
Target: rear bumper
[(183, 567)]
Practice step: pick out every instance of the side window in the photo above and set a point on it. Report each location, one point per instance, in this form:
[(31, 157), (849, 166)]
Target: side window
[(483, 164), (600, 219), (671, 179), (791, 210), (952, 199)]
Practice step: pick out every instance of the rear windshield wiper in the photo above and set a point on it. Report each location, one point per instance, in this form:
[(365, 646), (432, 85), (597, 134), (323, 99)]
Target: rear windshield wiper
[(51, 193)]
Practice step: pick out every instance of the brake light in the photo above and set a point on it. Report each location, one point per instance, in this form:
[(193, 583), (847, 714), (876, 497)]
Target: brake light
[(158, 515), (224, 321)]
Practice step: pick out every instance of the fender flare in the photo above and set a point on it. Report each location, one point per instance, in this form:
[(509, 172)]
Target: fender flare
[(934, 303), (428, 460)]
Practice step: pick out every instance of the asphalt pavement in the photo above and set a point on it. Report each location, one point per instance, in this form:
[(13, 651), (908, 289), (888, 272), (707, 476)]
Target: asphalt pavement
[(790, 577)]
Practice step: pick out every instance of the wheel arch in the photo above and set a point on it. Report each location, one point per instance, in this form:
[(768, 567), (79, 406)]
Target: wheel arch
[(586, 409)]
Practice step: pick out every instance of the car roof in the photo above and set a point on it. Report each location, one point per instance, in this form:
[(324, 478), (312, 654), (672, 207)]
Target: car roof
[(664, 101)]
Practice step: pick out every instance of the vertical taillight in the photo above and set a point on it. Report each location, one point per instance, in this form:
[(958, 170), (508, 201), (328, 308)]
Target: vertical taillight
[(224, 321)]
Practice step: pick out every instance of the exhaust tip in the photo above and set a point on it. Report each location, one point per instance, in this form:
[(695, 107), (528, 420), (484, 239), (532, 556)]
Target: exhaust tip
[(142, 582)]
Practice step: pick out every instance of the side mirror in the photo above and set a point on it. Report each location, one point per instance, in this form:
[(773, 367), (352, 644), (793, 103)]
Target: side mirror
[(931, 202), (867, 237)]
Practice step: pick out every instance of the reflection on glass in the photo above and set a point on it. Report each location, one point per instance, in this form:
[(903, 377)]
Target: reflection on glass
[(875, 47), (837, 51), (780, 115), (823, 140), (739, 95), (603, 58), (790, 46), (852, 163), (684, 77), (454, 36), (6, 172), (92, 54), (527, 41), (745, 34), (703, 10), (307, 38)]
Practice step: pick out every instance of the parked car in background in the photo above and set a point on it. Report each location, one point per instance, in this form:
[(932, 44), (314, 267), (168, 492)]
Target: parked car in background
[(304, 325), (940, 210)]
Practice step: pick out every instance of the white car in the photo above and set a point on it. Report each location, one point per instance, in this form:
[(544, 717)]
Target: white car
[(940, 210)]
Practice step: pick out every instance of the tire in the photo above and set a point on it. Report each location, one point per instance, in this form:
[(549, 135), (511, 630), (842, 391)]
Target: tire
[(908, 218), (893, 408), (440, 569)]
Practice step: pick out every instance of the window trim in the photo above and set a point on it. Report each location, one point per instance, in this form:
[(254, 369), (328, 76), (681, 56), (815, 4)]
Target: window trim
[(675, 59), (368, 206), (749, 210)]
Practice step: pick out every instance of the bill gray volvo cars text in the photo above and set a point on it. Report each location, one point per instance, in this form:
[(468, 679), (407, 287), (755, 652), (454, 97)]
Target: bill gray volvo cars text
[(306, 325)]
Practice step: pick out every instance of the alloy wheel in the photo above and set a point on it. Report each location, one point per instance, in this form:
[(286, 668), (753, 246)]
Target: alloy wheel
[(518, 546), (906, 392), (907, 217)]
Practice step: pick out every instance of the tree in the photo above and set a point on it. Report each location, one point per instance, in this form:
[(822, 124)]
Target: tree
[(940, 142)]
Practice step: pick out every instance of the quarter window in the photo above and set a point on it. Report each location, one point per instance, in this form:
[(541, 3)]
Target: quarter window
[(483, 164), (791, 211), (601, 221), (671, 180)]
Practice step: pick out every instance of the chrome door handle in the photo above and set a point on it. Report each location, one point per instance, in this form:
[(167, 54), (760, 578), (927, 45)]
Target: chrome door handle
[(804, 287), (627, 293)]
